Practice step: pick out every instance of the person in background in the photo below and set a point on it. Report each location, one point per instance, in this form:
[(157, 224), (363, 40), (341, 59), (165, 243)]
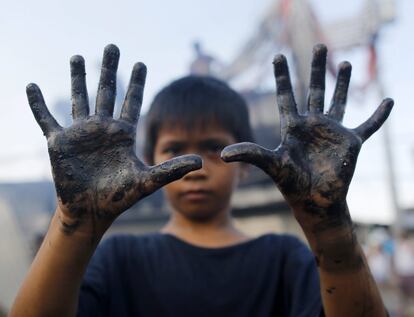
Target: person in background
[(404, 269)]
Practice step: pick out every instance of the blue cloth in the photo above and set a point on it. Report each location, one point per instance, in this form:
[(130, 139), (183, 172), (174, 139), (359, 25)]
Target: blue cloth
[(161, 275)]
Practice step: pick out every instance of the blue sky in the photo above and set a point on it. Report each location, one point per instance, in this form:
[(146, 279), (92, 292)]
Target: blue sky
[(39, 37)]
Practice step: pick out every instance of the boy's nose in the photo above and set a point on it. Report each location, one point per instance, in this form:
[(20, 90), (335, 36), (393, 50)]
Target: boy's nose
[(197, 174)]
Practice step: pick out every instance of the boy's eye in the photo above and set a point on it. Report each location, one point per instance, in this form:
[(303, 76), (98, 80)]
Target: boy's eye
[(172, 150)]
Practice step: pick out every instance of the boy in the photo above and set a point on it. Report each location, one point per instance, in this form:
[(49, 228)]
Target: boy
[(199, 264)]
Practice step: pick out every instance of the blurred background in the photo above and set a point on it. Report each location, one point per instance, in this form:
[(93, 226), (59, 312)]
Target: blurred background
[(234, 40)]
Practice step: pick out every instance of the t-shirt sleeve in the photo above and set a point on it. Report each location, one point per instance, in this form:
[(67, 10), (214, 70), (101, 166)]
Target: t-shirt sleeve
[(93, 296), (301, 280)]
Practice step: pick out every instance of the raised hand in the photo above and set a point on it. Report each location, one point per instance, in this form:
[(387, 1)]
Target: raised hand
[(314, 164), (95, 169)]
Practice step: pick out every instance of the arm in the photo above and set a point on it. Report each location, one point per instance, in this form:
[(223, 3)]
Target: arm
[(97, 176), (313, 167)]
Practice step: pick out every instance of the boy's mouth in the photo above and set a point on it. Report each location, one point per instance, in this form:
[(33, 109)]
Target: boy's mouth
[(196, 195)]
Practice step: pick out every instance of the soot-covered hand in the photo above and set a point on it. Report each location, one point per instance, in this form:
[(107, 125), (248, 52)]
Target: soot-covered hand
[(96, 172), (314, 164)]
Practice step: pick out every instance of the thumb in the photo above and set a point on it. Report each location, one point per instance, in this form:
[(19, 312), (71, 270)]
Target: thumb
[(369, 127), (169, 171), (250, 153)]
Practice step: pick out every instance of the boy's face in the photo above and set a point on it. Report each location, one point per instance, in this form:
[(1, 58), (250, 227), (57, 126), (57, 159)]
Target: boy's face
[(204, 193)]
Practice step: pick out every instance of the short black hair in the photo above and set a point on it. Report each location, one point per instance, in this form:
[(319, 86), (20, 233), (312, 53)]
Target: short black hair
[(196, 101)]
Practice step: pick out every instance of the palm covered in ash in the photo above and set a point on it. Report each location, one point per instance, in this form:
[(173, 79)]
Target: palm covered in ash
[(314, 164), (94, 165)]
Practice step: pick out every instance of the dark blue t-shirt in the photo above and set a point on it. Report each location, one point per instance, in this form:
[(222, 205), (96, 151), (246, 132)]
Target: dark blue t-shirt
[(161, 275)]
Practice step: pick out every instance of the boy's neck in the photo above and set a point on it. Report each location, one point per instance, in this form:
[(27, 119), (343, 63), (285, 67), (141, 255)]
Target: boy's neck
[(213, 233)]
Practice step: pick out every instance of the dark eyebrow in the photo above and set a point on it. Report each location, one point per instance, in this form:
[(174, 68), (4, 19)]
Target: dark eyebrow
[(174, 143)]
